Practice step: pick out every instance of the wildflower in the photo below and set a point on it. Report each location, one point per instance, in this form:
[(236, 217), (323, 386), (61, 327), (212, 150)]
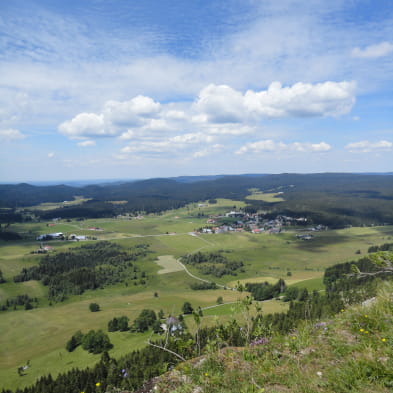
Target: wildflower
[(98, 384), (320, 325), (365, 316), (319, 373), (366, 332), (206, 374), (342, 310), (361, 330), (383, 340), (293, 338), (259, 341)]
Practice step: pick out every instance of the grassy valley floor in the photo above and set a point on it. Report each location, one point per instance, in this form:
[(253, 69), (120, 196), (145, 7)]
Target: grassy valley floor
[(40, 335)]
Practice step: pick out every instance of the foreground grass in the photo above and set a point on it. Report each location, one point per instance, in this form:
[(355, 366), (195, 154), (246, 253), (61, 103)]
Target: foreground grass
[(351, 353)]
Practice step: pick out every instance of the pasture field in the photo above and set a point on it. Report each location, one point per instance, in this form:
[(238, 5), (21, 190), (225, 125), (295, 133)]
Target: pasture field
[(40, 335), (169, 264), (257, 195), (55, 205)]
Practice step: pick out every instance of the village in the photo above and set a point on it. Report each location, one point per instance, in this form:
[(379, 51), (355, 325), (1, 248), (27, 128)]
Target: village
[(232, 221), (239, 221)]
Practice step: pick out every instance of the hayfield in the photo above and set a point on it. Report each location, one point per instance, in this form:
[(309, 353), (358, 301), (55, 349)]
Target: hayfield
[(169, 264)]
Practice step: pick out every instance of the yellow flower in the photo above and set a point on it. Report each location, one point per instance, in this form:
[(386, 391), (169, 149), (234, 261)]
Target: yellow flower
[(98, 384), (383, 340), (361, 330), (342, 310), (366, 332), (206, 374), (366, 316), (293, 338)]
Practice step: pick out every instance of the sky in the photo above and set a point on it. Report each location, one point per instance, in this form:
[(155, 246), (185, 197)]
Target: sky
[(129, 89)]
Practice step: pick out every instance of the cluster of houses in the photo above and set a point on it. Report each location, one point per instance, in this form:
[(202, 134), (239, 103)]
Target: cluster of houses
[(51, 236), (254, 223), (43, 249), (60, 236)]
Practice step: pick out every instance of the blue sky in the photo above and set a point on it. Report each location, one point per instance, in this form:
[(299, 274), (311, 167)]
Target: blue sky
[(136, 89)]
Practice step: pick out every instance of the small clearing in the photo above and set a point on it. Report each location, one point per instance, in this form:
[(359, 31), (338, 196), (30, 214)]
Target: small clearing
[(270, 197), (169, 264)]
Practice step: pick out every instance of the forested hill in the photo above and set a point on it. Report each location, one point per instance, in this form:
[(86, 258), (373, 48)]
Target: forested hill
[(342, 195)]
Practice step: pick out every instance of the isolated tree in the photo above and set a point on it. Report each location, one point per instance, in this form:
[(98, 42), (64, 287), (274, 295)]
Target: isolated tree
[(2, 280), (94, 307), (187, 308), (220, 300)]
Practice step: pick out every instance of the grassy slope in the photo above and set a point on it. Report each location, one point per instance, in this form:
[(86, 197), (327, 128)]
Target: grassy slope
[(350, 353)]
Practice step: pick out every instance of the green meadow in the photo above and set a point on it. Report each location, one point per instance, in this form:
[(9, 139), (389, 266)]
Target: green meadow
[(40, 335), (257, 195)]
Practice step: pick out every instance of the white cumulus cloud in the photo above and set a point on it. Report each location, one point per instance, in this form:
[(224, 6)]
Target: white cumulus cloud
[(130, 112), (302, 99), (11, 134), (222, 104), (367, 146), (84, 125), (269, 145), (373, 51)]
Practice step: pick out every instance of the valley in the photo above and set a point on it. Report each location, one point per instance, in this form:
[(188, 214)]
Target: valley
[(39, 335)]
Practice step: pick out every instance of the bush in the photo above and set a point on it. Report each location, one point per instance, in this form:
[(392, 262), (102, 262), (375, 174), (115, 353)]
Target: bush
[(94, 307)]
